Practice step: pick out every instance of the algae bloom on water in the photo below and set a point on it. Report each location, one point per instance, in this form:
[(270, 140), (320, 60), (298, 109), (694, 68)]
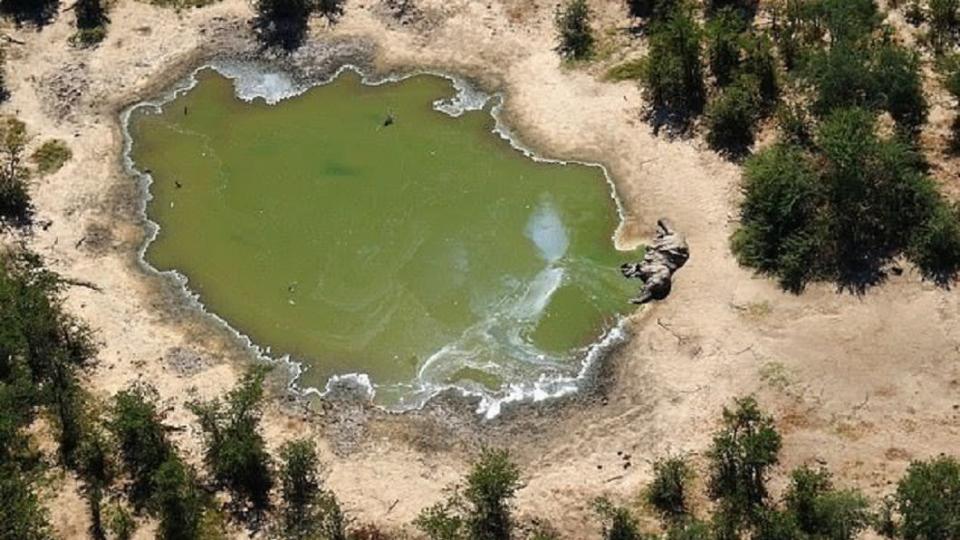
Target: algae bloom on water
[(360, 230)]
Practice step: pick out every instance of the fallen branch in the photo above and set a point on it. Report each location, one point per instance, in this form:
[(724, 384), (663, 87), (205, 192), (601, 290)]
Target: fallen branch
[(82, 283), (11, 39)]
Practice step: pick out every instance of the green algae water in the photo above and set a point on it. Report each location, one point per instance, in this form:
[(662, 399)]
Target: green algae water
[(417, 255)]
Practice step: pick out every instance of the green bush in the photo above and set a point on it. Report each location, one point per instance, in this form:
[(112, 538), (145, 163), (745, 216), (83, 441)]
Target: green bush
[(177, 500), (742, 453), (626, 71), (22, 516), (900, 86), (573, 29), (944, 23), (91, 22), (308, 510), (616, 521), (821, 511), (136, 423), (483, 511), (732, 118), (928, 500), (51, 156), (760, 63), (657, 9), (673, 73), (723, 44), (15, 205), (935, 245), (234, 449), (668, 491)]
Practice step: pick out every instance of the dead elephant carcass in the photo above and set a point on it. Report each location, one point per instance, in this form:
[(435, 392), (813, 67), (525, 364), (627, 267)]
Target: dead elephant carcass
[(665, 256)]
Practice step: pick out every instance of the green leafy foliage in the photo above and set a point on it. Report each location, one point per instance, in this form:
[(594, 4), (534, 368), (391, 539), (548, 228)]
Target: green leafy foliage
[(742, 453), (15, 205), (723, 44), (732, 118), (308, 511), (842, 209), (91, 22), (483, 511), (820, 511), (928, 500), (616, 521), (668, 492), (137, 425), (22, 517), (573, 30), (177, 500), (673, 74), (944, 24), (234, 450), (283, 23)]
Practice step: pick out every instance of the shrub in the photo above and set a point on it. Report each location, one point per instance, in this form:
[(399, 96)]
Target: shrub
[(15, 205), (820, 511), (51, 156), (617, 523), (37, 12), (657, 9), (673, 73), (841, 77), (137, 424), (483, 511), (935, 245), (91, 22), (573, 29), (732, 118), (723, 44), (120, 522), (740, 458), (283, 23), (760, 63), (944, 23), (795, 126), (234, 450), (177, 500), (928, 500), (668, 492), (308, 510), (22, 517), (491, 485), (779, 233), (900, 86)]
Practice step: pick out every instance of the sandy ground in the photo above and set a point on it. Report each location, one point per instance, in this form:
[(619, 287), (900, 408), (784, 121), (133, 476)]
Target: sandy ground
[(864, 384)]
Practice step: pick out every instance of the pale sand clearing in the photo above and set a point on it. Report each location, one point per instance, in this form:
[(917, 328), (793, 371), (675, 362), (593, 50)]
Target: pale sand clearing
[(865, 384)]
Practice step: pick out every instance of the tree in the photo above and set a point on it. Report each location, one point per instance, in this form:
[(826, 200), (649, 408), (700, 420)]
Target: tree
[(91, 22), (668, 491), (779, 227), (22, 517), (732, 118), (900, 86), (308, 510), (821, 511), (137, 424), (283, 23), (928, 500), (235, 451), (15, 206), (673, 73), (723, 44), (483, 511), (491, 485), (656, 9), (935, 245), (573, 29), (740, 458), (96, 469), (176, 500), (617, 523), (37, 12)]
